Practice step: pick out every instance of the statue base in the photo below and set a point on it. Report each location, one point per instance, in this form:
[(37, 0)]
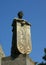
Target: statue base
[(20, 60)]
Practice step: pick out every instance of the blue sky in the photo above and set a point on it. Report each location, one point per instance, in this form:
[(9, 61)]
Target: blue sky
[(35, 13)]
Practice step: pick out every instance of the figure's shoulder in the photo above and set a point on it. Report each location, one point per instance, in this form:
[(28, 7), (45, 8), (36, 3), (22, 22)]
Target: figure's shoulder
[(21, 21)]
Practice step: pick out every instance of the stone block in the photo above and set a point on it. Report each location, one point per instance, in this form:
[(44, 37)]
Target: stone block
[(20, 60)]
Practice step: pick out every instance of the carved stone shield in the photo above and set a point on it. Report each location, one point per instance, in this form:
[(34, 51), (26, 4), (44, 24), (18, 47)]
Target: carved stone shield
[(24, 38)]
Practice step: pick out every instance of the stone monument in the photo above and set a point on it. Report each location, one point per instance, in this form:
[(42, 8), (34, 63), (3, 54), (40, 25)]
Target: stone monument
[(21, 43)]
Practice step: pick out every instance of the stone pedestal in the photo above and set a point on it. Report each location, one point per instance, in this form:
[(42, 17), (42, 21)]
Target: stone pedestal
[(20, 60)]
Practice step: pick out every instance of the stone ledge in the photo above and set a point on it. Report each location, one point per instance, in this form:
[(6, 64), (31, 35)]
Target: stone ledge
[(20, 60)]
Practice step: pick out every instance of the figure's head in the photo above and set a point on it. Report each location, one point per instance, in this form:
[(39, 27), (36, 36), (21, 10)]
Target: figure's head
[(20, 14)]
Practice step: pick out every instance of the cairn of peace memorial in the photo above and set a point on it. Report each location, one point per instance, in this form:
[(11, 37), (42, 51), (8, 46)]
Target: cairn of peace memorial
[(21, 43)]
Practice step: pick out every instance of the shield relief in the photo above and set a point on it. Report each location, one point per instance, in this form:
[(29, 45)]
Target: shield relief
[(24, 38)]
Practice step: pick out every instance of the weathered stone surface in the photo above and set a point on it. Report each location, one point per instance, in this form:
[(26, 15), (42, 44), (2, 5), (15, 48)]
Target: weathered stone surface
[(23, 38), (1, 53), (20, 60)]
